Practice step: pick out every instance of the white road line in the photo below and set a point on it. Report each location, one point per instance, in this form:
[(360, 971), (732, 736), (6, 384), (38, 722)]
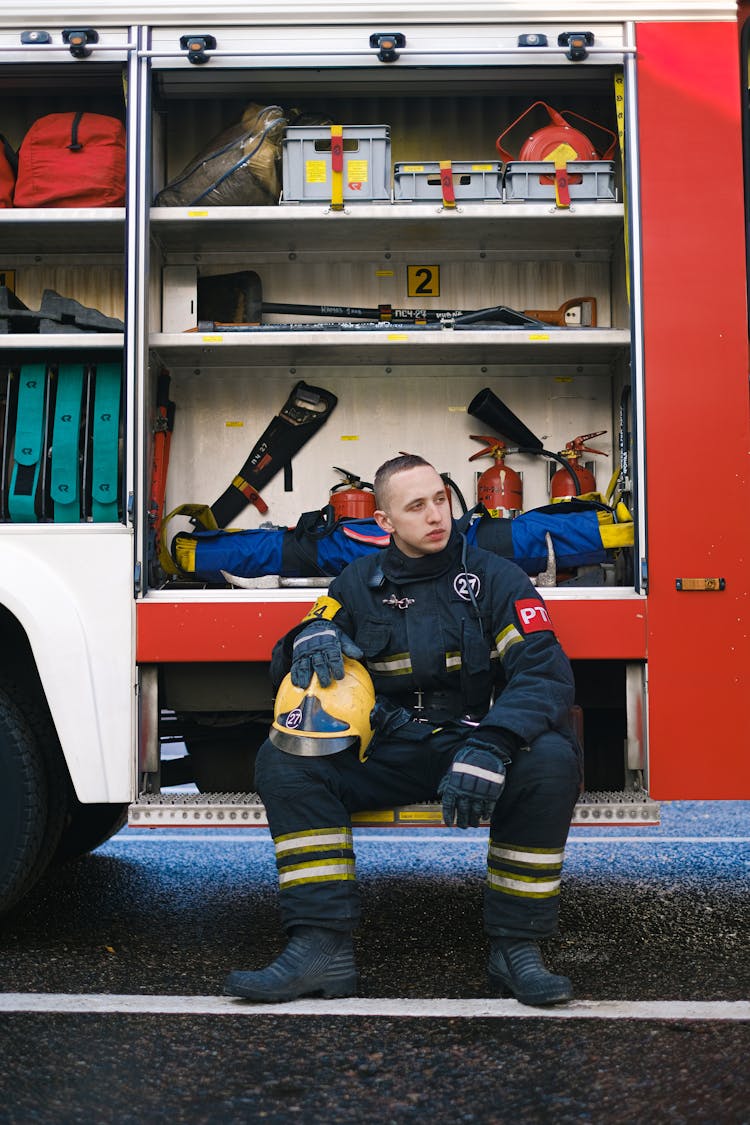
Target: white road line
[(98, 1003), (255, 836)]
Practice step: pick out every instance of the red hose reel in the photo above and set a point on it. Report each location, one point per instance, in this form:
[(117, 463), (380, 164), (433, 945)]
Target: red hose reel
[(558, 142)]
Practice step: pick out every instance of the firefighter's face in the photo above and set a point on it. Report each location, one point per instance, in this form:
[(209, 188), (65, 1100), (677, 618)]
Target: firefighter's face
[(417, 511)]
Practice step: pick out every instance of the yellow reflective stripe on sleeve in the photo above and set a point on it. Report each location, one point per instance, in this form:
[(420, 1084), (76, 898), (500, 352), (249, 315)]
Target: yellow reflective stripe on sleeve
[(509, 636), (452, 660), (325, 609), (525, 857), (523, 886)]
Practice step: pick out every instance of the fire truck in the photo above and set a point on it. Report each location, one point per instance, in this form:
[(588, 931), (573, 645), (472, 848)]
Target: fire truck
[(537, 206)]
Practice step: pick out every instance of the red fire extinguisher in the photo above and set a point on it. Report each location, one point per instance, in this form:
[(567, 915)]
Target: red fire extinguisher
[(499, 488), (562, 482), (352, 498)]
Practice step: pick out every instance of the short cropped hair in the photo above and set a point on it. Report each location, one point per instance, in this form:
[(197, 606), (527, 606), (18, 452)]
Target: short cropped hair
[(389, 469)]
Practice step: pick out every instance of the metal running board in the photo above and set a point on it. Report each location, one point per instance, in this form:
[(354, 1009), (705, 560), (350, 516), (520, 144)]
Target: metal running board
[(245, 810)]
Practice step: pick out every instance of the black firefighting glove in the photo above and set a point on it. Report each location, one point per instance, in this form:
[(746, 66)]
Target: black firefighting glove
[(472, 786), (321, 648)]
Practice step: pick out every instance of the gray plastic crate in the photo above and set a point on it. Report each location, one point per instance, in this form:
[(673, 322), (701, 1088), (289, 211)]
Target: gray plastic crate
[(306, 164), (523, 181), (472, 179)]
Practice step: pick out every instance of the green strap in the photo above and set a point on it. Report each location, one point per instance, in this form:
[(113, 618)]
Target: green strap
[(27, 451), (106, 438), (65, 490)]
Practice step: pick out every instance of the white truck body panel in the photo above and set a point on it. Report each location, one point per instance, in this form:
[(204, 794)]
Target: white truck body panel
[(71, 590)]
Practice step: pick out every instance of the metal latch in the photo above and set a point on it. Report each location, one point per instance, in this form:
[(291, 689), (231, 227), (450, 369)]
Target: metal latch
[(576, 42), (78, 39), (196, 47), (386, 43)]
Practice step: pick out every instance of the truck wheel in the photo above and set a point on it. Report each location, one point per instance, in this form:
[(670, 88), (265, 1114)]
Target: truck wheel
[(33, 706), (87, 827), (23, 804)]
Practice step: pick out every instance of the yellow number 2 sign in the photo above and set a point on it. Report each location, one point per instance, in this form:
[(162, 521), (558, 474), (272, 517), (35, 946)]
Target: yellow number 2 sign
[(423, 281)]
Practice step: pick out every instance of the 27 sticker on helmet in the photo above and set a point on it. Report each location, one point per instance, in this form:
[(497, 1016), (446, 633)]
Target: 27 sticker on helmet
[(311, 716), (533, 616)]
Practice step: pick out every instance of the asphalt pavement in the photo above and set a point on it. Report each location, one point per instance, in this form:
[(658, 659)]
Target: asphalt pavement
[(655, 917)]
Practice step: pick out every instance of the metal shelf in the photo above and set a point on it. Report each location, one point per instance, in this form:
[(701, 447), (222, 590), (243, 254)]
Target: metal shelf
[(532, 229), (60, 341), (57, 230), (359, 347)]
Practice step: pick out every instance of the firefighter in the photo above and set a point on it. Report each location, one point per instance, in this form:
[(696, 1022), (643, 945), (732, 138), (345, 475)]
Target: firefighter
[(472, 702)]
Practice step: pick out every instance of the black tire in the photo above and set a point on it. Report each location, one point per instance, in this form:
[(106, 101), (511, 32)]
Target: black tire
[(87, 827), (23, 804), (59, 790)]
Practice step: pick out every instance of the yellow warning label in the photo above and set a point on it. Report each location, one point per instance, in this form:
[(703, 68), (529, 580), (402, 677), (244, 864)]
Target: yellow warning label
[(316, 171), (212, 339), (234, 425), (350, 437), (357, 171), (482, 168), (538, 336), (412, 168), (197, 214)]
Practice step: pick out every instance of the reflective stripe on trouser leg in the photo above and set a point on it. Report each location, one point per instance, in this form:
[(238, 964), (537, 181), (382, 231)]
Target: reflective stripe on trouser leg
[(312, 840), (320, 855), (527, 840), (531, 875)]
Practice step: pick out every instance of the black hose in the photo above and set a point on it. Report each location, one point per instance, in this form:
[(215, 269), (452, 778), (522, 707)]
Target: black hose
[(561, 460), (459, 494)]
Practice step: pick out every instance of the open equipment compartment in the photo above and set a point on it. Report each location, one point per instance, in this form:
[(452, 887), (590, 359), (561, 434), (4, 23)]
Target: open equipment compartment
[(397, 386)]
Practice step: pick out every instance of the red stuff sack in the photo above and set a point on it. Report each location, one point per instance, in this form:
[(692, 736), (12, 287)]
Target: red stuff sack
[(8, 170), (72, 160)]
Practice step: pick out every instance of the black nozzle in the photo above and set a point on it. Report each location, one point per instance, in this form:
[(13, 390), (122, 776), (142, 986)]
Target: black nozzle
[(490, 409)]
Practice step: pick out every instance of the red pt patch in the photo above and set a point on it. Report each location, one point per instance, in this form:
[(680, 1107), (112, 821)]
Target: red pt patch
[(533, 616)]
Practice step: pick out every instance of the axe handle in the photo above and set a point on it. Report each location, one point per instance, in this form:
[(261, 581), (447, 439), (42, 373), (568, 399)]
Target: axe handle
[(557, 316)]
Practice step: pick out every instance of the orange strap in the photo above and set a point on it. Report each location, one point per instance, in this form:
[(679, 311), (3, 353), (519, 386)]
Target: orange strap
[(251, 494), (446, 183)]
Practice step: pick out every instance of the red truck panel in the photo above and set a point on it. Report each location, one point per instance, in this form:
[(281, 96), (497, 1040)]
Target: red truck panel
[(697, 412)]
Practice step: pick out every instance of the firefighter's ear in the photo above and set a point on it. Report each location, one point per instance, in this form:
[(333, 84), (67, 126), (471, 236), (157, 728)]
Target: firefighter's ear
[(383, 522)]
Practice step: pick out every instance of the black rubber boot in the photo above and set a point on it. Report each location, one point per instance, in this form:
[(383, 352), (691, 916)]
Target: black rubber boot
[(516, 967), (315, 962)]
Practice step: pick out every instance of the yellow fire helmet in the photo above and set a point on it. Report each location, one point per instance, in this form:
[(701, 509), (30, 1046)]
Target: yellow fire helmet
[(316, 721)]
